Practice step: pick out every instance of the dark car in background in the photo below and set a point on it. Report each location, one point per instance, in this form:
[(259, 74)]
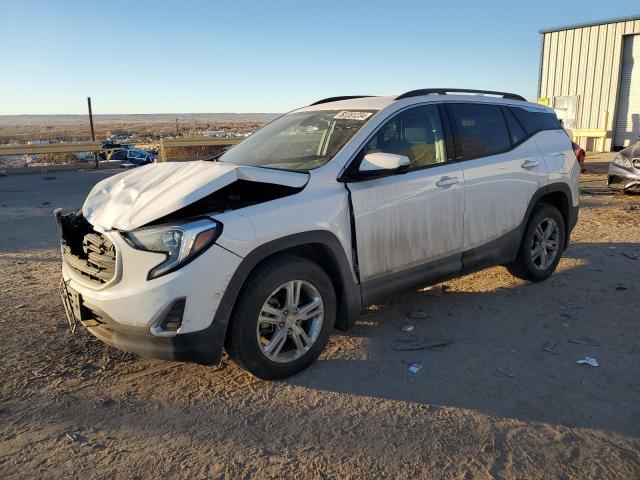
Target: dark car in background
[(110, 147), (132, 157)]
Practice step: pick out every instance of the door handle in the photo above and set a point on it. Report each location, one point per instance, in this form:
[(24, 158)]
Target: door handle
[(446, 181), (528, 163)]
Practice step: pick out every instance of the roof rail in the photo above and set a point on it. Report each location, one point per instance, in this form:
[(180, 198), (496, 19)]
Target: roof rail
[(444, 91), (337, 99)]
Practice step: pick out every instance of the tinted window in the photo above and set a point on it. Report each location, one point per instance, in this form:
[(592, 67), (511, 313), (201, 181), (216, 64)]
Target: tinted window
[(534, 120), (119, 155), (515, 129), (478, 130), (415, 133)]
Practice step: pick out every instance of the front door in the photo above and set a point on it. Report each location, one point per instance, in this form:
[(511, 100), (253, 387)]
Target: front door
[(411, 218)]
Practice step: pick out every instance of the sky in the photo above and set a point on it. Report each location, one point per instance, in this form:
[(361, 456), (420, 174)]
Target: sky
[(267, 56)]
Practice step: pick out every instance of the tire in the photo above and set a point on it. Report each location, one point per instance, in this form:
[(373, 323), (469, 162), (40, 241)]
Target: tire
[(528, 268), (247, 336)]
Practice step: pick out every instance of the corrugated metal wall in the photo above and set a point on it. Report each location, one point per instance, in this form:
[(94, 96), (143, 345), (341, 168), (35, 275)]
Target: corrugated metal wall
[(627, 126), (585, 62)]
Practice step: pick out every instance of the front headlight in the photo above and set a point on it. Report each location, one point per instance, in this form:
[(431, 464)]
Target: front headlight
[(180, 243), (621, 161)]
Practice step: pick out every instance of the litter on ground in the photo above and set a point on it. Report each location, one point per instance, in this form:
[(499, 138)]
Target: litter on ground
[(418, 343), (588, 361), (415, 368)]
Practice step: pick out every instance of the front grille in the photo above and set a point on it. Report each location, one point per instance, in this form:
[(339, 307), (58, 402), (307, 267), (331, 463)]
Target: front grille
[(97, 260)]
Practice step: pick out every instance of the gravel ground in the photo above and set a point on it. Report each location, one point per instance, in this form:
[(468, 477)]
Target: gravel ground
[(501, 397)]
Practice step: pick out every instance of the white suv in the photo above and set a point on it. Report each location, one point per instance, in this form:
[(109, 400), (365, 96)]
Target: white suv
[(323, 211)]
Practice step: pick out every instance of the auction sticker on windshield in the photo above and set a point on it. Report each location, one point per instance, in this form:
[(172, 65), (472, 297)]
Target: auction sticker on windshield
[(347, 115)]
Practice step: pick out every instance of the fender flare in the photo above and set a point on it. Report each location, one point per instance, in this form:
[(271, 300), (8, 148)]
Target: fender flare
[(348, 292), (572, 213)]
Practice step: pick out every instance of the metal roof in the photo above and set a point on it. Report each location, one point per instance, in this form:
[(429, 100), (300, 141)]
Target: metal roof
[(591, 24)]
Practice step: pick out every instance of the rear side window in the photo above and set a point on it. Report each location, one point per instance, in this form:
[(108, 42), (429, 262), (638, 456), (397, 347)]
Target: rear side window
[(515, 129), (478, 130), (534, 120)]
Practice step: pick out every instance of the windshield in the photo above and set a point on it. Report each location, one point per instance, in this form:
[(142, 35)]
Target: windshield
[(299, 141)]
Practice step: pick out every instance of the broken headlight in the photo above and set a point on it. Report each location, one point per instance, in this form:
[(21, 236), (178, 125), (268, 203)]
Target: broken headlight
[(621, 161), (180, 243)]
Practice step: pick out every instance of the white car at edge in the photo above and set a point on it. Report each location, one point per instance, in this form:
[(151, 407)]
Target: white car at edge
[(323, 211)]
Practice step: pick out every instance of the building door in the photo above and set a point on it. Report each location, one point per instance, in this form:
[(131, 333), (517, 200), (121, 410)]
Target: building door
[(627, 128)]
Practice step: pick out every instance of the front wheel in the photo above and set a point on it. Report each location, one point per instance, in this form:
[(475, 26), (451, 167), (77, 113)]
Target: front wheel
[(283, 317), (542, 245)]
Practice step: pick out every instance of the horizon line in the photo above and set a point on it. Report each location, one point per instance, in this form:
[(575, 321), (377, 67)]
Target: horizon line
[(152, 113)]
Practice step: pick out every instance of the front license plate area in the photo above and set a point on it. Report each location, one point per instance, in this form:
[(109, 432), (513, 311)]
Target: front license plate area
[(72, 302)]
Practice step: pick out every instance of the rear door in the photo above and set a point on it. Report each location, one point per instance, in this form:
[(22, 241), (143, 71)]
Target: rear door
[(409, 219), (552, 141), (502, 171)]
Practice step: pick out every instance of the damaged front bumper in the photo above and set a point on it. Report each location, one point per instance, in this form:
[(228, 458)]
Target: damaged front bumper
[(623, 179), (128, 311)]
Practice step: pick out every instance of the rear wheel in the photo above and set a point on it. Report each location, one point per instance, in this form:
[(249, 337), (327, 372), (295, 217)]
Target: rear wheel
[(283, 317), (541, 246)]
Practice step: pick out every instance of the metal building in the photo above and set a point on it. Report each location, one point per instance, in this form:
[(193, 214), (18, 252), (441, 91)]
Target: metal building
[(590, 74)]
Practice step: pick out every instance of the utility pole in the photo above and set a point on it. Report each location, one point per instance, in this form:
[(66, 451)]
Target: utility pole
[(177, 128), (93, 134)]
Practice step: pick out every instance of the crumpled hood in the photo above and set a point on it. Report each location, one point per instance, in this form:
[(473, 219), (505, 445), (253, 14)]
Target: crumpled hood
[(136, 197)]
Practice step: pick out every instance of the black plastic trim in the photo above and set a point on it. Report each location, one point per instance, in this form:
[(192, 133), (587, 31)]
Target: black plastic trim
[(448, 133), (350, 295), (337, 99), (445, 91), (432, 272)]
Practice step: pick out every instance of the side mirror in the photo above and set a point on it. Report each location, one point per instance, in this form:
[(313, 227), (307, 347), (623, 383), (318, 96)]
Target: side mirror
[(380, 162)]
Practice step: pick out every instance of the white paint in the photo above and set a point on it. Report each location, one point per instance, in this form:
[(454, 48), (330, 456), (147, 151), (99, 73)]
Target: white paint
[(382, 161), (498, 191), (406, 220), (402, 220), (135, 301), (136, 197)]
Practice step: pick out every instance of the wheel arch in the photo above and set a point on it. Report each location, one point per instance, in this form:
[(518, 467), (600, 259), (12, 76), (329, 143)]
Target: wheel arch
[(320, 246), (558, 195)]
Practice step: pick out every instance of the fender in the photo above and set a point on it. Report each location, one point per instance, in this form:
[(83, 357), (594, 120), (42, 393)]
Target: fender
[(348, 292), (571, 215)]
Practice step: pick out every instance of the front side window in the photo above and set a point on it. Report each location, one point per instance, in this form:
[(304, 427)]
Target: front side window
[(299, 141), (415, 133), (478, 130)]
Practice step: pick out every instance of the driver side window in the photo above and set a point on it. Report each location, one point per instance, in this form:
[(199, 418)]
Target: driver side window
[(415, 133)]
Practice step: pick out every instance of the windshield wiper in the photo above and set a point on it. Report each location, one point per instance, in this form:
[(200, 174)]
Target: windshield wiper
[(216, 156)]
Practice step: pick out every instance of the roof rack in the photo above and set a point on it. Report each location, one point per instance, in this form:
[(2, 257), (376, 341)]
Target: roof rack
[(337, 99), (444, 91)]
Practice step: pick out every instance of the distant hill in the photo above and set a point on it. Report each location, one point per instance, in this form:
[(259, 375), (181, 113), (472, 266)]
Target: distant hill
[(23, 128)]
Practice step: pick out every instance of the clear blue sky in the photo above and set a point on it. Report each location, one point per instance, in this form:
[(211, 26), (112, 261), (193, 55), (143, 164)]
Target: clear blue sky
[(267, 56)]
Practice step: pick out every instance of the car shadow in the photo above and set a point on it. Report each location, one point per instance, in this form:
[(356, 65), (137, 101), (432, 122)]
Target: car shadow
[(508, 351)]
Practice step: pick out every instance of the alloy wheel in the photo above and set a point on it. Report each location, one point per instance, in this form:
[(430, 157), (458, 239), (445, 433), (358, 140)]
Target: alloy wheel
[(545, 243), (290, 321)]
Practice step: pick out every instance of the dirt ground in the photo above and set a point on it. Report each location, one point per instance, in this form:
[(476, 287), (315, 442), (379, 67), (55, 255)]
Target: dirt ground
[(503, 397)]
